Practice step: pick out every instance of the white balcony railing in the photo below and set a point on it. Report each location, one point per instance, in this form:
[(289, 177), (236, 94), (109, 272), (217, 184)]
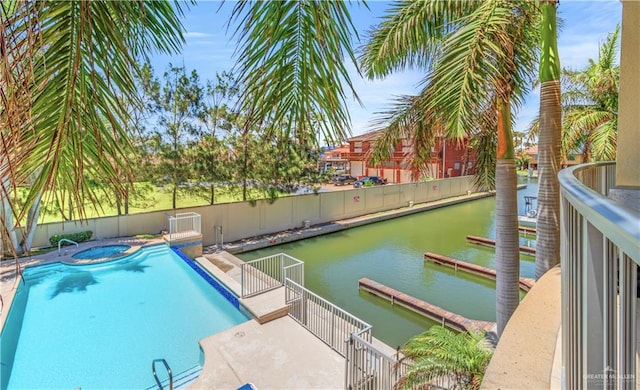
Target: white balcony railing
[(599, 260), (268, 273), (184, 225)]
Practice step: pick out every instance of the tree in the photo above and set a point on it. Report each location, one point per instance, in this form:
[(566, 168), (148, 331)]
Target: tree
[(177, 106), (479, 58), (64, 68), (549, 141), (139, 112), (211, 159), (590, 105), (441, 354)]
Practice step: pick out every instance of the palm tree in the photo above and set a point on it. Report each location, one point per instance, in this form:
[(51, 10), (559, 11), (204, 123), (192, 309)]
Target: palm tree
[(479, 58), (590, 105), (439, 354), (65, 68), (549, 140)]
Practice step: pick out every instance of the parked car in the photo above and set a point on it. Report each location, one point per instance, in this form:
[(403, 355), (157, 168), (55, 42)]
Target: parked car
[(342, 180), (368, 181)]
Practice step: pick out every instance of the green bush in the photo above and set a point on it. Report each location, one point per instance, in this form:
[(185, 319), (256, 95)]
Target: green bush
[(77, 237)]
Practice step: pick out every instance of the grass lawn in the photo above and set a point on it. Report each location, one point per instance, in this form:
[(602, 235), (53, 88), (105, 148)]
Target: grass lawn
[(150, 198)]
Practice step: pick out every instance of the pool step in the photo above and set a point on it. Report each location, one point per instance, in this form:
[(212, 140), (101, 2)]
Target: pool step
[(180, 380)]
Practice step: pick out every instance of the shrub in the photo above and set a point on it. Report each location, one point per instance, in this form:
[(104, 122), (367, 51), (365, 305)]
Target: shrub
[(77, 237)]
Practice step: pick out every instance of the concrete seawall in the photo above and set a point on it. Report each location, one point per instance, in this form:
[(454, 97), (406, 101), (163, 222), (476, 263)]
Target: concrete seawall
[(254, 243)]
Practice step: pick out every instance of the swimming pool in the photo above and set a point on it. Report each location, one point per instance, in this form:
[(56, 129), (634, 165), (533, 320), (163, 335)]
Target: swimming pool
[(101, 325), (99, 252)]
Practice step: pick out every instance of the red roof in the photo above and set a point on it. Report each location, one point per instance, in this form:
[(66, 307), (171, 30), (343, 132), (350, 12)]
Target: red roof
[(366, 136)]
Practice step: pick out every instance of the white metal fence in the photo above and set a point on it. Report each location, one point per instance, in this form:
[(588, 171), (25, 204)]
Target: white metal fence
[(599, 259), (269, 273), (368, 368), (325, 320), (184, 225)]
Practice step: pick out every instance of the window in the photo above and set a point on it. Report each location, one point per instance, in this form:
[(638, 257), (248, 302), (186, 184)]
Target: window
[(456, 165)]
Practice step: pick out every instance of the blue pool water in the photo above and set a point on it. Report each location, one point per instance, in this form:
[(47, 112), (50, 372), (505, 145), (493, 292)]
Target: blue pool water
[(100, 326), (98, 252)]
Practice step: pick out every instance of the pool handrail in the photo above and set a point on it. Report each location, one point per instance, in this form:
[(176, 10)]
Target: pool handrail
[(66, 240), (155, 376)]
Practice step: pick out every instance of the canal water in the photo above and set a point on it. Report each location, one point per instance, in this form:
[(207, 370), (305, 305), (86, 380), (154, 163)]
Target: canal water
[(391, 252)]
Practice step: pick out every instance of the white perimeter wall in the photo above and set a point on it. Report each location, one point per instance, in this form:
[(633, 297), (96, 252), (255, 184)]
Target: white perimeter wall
[(242, 219)]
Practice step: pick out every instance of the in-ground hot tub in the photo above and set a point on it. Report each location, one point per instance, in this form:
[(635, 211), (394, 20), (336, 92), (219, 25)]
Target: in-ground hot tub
[(99, 252)]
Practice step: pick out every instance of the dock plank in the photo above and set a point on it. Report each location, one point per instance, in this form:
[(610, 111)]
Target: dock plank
[(526, 284), (436, 313), (492, 243)]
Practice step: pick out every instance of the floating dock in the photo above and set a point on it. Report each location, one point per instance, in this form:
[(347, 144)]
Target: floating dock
[(525, 283), (436, 313), (489, 242)]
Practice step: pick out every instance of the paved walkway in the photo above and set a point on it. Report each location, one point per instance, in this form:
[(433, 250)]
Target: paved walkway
[(280, 354)]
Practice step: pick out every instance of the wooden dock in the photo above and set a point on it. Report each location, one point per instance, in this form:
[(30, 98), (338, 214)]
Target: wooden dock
[(491, 243), (525, 283), (527, 230), (436, 313)]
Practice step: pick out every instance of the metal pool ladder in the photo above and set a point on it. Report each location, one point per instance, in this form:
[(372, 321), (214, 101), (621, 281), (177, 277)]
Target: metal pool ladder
[(65, 240), (155, 376)]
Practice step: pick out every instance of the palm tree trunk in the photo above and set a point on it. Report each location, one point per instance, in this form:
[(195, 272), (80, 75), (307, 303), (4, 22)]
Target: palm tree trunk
[(549, 146), (507, 251), (8, 235), (32, 224)]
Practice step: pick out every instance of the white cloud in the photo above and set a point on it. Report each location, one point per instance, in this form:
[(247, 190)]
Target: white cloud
[(196, 34)]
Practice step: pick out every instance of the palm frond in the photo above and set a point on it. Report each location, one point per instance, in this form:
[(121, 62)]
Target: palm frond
[(410, 35), (589, 129), (291, 65), (441, 353), (75, 59), (484, 143), (603, 140), (609, 50), (478, 57), (406, 120)]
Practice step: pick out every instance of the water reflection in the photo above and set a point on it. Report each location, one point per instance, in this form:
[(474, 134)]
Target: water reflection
[(74, 282)]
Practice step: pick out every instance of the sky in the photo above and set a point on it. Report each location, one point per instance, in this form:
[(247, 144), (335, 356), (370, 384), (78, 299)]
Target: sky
[(210, 48)]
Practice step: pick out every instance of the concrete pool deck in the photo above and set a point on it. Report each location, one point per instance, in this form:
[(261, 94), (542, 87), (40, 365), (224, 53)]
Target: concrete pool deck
[(280, 354)]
